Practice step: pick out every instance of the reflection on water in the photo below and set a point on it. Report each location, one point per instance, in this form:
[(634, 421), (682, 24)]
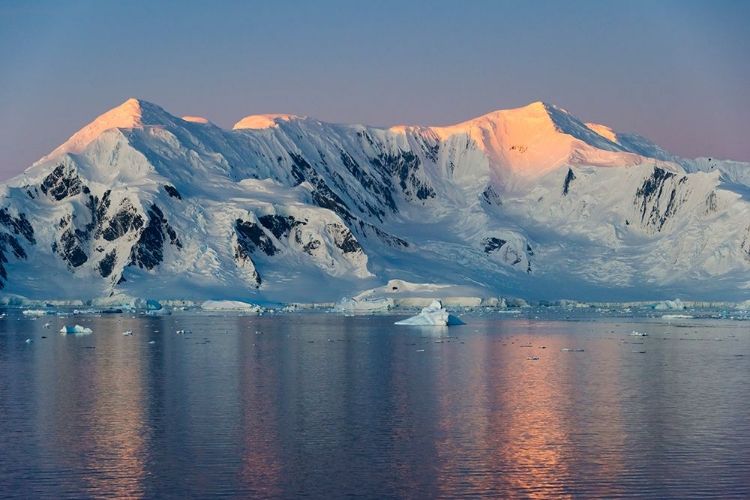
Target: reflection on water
[(327, 406)]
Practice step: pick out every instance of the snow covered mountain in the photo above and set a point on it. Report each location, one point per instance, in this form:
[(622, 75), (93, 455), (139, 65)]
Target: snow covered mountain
[(529, 202)]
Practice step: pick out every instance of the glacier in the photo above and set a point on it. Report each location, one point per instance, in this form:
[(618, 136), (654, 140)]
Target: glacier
[(523, 203)]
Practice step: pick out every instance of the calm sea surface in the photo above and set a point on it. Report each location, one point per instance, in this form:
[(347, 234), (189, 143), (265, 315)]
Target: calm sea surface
[(324, 406)]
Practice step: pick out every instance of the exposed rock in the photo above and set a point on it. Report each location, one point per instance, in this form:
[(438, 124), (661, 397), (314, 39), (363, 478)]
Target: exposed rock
[(61, 183), (172, 191), (570, 177), (148, 252)]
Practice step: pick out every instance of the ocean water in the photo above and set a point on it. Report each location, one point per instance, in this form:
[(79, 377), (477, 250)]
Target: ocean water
[(325, 406)]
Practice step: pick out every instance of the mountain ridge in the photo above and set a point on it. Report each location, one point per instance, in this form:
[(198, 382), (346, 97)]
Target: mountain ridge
[(528, 202)]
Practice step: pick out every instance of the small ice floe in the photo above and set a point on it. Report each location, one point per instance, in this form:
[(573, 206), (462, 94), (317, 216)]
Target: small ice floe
[(180, 332), (75, 329), (676, 316), (35, 312), (433, 315), (127, 333), (638, 334), (29, 341), (157, 312), (47, 325), (152, 342)]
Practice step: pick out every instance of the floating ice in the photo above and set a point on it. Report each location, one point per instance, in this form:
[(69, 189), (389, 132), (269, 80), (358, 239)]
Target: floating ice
[(434, 314), (29, 341), (638, 334), (669, 304), (75, 329), (157, 312), (127, 333), (36, 312)]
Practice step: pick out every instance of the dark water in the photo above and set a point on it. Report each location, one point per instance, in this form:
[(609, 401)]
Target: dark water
[(324, 406)]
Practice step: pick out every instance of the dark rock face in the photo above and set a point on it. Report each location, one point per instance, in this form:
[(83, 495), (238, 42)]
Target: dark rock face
[(368, 229), (325, 197), (278, 225), (18, 225), (570, 177), (372, 185), (490, 196), (344, 238), (510, 254), (745, 245), (8, 240), (172, 191), (72, 244), (251, 236), (322, 196), (492, 244), (659, 198), (107, 264), (404, 166), (70, 247), (311, 246), (430, 151), (126, 219), (61, 183), (241, 257), (148, 252)]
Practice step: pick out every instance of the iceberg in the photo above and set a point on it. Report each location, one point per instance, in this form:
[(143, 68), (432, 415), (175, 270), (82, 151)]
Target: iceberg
[(434, 314), (669, 304), (75, 329), (36, 312)]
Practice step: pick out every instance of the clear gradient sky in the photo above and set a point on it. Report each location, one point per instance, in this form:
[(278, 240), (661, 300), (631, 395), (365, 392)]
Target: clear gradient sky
[(677, 72)]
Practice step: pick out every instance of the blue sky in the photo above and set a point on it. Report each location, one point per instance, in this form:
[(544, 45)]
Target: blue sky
[(676, 72)]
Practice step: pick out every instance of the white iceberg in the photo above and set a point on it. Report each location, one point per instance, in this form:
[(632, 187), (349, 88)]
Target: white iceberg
[(669, 304), (35, 312), (75, 329), (434, 314), (157, 312)]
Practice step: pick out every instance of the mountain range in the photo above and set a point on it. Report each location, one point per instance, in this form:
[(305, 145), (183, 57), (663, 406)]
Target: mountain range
[(528, 202)]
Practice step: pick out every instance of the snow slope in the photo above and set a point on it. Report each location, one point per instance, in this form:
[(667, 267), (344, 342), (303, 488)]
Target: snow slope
[(529, 202)]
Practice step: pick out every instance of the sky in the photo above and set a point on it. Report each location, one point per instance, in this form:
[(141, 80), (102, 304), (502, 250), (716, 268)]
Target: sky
[(676, 72)]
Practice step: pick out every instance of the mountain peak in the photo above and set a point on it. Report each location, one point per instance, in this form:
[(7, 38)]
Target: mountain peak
[(254, 122), (133, 113), (537, 138)]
